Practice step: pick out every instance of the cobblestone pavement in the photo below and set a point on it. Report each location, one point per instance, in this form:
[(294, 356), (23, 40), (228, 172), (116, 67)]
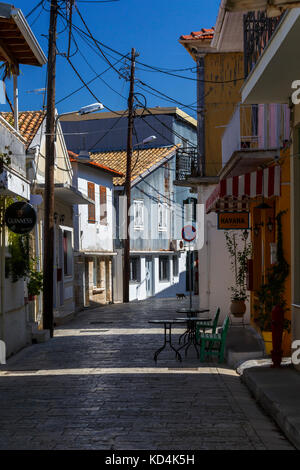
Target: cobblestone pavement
[(95, 386)]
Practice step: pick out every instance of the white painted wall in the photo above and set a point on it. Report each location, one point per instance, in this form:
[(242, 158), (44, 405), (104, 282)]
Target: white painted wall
[(95, 237), (215, 276), (169, 288)]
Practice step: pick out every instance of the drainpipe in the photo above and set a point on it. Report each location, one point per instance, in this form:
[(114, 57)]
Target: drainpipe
[(200, 115)]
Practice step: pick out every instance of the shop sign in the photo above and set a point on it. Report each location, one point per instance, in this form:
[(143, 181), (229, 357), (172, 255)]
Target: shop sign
[(233, 220), (20, 217)]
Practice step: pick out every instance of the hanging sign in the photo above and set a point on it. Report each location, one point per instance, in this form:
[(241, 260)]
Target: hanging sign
[(188, 233), (233, 220), (20, 217)]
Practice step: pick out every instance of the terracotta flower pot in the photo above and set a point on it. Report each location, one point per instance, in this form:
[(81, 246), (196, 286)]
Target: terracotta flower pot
[(238, 308)]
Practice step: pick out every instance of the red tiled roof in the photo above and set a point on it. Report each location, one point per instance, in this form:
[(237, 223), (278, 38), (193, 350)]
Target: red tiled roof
[(142, 160), (29, 123), (73, 158), (204, 34)]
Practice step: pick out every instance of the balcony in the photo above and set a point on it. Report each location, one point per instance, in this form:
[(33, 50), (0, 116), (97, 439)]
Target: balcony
[(253, 137), (258, 30), (186, 164)]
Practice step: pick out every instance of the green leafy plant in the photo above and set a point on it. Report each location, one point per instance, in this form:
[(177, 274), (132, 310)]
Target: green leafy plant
[(17, 266), (238, 261), (5, 158), (271, 293), (35, 282)]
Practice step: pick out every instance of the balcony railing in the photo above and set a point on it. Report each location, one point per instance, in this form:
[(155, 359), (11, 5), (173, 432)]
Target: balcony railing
[(258, 30), (260, 127), (186, 163)]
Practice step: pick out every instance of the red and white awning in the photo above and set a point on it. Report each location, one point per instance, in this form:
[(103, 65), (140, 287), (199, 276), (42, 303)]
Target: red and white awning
[(234, 193)]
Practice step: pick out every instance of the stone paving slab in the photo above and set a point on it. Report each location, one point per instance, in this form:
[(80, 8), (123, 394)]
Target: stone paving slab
[(92, 389)]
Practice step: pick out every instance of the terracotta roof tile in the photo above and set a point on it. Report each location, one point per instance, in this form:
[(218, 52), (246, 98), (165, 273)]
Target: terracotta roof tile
[(29, 123), (204, 34), (142, 160), (74, 158)]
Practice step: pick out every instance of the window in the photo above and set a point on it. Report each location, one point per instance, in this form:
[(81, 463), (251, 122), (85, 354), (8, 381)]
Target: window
[(164, 271), (175, 266), (68, 254), (134, 269), (91, 207), (103, 205), (162, 217), (138, 215)]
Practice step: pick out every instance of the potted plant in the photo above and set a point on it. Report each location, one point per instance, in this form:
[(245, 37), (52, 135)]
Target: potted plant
[(35, 283), (271, 293), (239, 254)]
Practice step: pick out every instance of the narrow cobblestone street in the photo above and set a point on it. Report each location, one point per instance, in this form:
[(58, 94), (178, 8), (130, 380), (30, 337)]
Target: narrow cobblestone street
[(95, 385)]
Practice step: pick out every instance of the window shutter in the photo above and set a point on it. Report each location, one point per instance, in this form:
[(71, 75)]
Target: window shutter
[(103, 205), (91, 207)]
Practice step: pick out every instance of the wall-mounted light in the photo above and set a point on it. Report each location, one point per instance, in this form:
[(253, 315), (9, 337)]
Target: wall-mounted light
[(55, 216), (256, 228), (62, 219)]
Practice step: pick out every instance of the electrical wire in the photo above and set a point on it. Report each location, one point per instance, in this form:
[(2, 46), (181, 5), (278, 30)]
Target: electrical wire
[(83, 86), (157, 69), (34, 8), (87, 87), (107, 132)]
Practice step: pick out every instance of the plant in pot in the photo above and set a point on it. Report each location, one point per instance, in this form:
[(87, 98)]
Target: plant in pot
[(270, 295), (35, 281), (239, 252)]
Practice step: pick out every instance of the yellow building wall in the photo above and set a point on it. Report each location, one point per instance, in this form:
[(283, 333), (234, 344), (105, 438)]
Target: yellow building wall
[(220, 102), (261, 242)]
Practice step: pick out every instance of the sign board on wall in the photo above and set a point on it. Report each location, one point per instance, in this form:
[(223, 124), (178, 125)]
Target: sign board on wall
[(20, 217), (233, 220)]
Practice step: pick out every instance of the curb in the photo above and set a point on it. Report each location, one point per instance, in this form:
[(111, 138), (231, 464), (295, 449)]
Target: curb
[(286, 419)]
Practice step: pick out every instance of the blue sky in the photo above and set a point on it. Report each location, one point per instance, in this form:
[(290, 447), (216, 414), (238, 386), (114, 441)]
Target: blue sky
[(152, 27)]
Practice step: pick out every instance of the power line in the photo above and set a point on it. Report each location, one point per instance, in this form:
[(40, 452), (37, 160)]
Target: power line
[(87, 87), (107, 132), (90, 81), (34, 8), (157, 69)]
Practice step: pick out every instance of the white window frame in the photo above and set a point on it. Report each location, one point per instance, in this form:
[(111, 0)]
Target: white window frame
[(138, 208), (162, 217), (70, 252)]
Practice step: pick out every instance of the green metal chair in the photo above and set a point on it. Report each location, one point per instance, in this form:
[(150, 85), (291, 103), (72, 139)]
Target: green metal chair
[(207, 325), (213, 344)]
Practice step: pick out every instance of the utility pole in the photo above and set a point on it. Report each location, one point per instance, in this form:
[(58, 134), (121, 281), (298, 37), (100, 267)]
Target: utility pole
[(49, 176), (200, 116), (126, 260)]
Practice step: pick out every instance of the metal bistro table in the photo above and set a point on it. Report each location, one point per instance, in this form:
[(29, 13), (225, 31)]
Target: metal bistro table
[(167, 336), (192, 312), (190, 334)]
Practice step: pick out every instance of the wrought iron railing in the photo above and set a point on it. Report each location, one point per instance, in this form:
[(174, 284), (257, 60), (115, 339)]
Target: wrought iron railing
[(186, 163), (258, 30)]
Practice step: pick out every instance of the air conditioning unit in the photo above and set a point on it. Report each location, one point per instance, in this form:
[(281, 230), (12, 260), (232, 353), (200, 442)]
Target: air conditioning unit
[(176, 245)]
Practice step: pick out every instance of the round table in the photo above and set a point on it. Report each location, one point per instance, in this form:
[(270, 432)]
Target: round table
[(167, 336)]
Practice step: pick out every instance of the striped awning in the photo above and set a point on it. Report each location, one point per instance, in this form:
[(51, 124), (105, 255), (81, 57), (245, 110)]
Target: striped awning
[(234, 193)]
